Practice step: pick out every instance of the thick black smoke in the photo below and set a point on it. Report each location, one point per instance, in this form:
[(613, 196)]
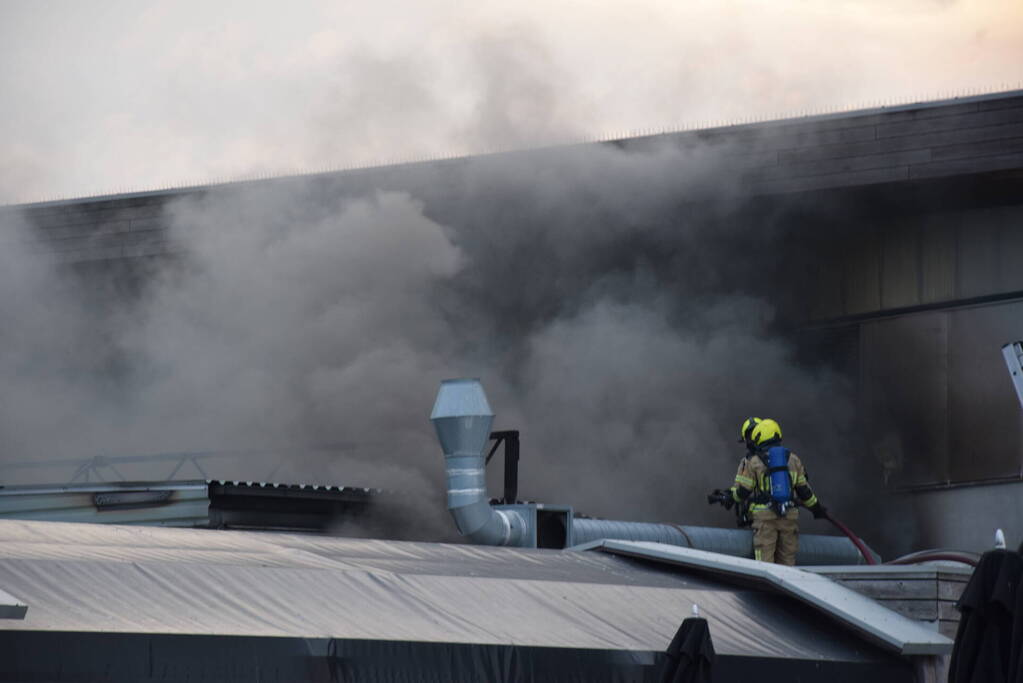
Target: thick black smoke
[(620, 306)]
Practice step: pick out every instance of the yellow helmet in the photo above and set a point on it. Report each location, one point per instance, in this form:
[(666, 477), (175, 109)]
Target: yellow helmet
[(767, 432), (746, 431)]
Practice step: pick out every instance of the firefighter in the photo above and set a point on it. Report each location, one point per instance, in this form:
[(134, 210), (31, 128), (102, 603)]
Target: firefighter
[(771, 479)]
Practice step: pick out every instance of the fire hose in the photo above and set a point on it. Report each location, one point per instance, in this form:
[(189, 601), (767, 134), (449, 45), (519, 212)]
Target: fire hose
[(960, 556), (719, 496), (867, 555), (913, 558)]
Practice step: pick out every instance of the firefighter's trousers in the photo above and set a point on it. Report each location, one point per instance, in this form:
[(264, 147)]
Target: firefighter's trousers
[(776, 539)]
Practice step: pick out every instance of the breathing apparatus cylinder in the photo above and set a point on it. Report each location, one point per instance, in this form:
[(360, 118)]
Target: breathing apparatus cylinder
[(781, 481)]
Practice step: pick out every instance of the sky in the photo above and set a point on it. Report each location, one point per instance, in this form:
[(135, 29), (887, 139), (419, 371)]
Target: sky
[(102, 97)]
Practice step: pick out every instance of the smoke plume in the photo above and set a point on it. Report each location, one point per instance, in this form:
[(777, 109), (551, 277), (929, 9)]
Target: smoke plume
[(617, 312)]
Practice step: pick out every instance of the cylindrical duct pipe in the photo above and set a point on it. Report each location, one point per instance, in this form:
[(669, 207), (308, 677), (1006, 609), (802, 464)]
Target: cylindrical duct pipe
[(462, 417), (813, 549), (586, 530)]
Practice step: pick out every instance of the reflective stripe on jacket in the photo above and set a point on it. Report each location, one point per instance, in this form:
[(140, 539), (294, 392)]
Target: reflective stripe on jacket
[(752, 477)]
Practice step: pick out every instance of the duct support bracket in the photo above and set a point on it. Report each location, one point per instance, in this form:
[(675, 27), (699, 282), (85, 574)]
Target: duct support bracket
[(510, 440)]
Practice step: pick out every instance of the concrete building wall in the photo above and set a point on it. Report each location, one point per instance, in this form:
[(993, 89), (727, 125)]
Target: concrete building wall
[(923, 259), (933, 297), (966, 518), (98, 230)]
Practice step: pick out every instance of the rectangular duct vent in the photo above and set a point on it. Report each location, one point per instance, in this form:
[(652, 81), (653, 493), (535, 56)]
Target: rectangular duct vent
[(552, 526)]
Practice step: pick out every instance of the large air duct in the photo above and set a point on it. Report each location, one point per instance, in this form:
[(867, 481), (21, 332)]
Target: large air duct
[(462, 418), (813, 549)]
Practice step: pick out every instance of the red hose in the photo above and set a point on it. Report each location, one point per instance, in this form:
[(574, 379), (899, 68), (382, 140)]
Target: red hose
[(927, 556), (867, 555), (914, 558)]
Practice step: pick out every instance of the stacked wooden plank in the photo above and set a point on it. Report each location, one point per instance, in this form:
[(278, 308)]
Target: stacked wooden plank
[(926, 593)]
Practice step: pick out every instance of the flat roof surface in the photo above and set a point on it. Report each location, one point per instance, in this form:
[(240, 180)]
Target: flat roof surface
[(100, 578)]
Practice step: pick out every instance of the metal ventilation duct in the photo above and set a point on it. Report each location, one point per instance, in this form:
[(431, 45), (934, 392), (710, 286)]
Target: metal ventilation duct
[(813, 549), (462, 417)]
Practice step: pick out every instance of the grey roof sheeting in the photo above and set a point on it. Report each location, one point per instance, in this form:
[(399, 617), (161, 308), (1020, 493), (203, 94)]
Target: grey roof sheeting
[(183, 503), (177, 503), (886, 627), (100, 578)]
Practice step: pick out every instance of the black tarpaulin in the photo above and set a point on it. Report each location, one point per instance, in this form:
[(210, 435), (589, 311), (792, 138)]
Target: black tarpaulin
[(690, 655), (983, 651), (138, 658)]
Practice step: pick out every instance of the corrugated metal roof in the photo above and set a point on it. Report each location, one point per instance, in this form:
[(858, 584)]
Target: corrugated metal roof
[(862, 614), (184, 484), (183, 503), (96, 578), (174, 503)]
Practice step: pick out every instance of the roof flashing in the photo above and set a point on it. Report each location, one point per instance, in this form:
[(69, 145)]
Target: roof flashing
[(854, 611)]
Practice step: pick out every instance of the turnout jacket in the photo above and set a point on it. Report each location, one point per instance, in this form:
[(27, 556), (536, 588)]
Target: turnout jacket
[(753, 481)]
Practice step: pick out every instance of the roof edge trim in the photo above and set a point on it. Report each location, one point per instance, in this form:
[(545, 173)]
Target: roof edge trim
[(861, 614)]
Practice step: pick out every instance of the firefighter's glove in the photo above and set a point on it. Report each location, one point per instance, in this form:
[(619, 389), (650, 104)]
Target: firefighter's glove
[(819, 511), (723, 497)]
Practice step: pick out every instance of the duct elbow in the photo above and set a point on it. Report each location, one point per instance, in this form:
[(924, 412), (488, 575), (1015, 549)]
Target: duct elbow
[(485, 525), (470, 507), (462, 419)]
